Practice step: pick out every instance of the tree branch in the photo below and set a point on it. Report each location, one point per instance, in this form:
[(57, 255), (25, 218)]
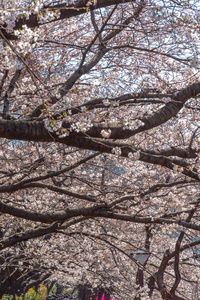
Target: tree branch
[(35, 131), (66, 12), (9, 92), (85, 68), (59, 191), (5, 75), (177, 254), (31, 234)]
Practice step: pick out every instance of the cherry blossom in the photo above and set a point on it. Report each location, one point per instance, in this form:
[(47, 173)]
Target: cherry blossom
[(100, 146)]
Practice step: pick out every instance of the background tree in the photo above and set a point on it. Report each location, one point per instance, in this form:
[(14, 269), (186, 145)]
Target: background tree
[(100, 144)]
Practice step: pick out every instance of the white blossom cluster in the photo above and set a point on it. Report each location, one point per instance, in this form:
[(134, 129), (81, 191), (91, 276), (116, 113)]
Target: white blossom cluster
[(9, 60), (143, 292), (8, 17), (134, 156), (56, 126), (9, 11), (48, 16), (106, 102), (27, 39), (38, 5), (52, 125), (117, 151), (167, 99), (81, 126), (106, 133), (83, 108), (115, 103), (178, 169), (94, 2), (132, 124)]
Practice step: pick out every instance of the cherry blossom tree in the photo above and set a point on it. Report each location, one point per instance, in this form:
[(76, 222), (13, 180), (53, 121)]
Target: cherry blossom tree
[(100, 136)]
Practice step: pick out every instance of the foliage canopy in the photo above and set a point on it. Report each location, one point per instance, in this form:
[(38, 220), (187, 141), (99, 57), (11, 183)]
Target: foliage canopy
[(100, 145)]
